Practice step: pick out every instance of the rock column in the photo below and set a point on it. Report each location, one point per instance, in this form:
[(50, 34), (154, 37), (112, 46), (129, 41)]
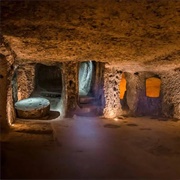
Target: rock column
[(112, 79), (70, 78), (132, 92)]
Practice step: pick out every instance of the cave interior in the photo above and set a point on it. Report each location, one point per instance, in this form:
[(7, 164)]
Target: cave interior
[(88, 66)]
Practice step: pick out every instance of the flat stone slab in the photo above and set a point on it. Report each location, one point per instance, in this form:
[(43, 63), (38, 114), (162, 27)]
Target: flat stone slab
[(32, 108)]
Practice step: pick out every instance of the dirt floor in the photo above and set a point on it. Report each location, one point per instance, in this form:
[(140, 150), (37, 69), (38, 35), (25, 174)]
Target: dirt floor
[(92, 148)]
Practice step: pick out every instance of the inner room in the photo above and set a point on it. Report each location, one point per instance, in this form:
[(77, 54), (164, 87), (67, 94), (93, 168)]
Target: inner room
[(48, 84)]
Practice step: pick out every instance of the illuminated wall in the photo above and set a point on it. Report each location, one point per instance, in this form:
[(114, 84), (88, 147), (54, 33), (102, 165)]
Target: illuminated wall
[(122, 86), (25, 81), (153, 87)]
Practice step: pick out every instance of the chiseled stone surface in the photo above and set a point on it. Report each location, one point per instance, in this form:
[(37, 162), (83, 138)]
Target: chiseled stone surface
[(70, 70), (102, 30), (130, 36), (25, 81), (112, 79), (10, 56), (150, 106), (3, 92), (171, 94)]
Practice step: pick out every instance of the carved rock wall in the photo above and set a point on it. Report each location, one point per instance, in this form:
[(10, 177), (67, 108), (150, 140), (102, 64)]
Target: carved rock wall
[(3, 92), (25, 80), (167, 104), (112, 79), (171, 94), (132, 91), (146, 105), (70, 91), (10, 56), (103, 30)]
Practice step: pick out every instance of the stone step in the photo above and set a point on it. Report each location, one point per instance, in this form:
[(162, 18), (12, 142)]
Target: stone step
[(50, 94), (88, 110), (86, 99)]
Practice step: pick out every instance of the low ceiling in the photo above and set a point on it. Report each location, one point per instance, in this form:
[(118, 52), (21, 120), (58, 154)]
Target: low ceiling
[(116, 31)]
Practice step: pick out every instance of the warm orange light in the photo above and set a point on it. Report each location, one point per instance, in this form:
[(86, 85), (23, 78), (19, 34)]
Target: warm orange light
[(153, 86), (122, 86)]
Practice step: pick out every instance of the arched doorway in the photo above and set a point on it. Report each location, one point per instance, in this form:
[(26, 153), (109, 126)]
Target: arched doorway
[(86, 71), (90, 81), (48, 84)]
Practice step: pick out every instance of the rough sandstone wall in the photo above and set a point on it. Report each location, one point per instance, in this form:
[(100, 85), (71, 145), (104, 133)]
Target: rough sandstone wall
[(139, 104), (10, 56), (171, 94), (116, 30), (25, 80), (70, 89), (112, 79), (146, 105), (3, 93), (132, 93)]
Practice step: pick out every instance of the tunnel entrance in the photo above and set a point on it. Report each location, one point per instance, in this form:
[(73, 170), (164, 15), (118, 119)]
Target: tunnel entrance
[(86, 72), (49, 79), (48, 84), (90, 82)]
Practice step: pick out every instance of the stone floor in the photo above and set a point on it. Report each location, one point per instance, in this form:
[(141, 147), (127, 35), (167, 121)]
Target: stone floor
[(92, 148)]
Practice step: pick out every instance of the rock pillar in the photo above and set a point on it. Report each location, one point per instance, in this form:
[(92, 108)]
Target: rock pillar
[(70, 90), (112, 79)]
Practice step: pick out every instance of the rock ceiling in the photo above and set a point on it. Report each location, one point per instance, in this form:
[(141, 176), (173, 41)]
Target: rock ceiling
[(115, 31)]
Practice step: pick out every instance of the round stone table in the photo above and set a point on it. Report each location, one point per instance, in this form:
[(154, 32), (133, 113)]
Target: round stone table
[(32, 108)]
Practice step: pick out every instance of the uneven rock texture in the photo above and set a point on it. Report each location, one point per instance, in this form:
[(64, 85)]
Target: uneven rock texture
[(112, 79), (146, 105), (132, 93), (10, 56), (103, 30), (171, 94), (70, 99), (7, 51), (140, 38), (25, 81), (3, 92), (11, 114), (167, 104)]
